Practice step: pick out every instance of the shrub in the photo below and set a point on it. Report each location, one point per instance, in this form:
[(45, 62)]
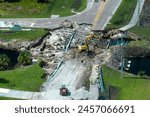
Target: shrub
[(24, 58), (4, 62)]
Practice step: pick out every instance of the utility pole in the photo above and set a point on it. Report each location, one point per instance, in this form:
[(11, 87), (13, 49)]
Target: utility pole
[(122, 53), (138, 13)]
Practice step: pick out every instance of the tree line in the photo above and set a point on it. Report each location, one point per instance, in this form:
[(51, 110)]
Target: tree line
[(39, 1)]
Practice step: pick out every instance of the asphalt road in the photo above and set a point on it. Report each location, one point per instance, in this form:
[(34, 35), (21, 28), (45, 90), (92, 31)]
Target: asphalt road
[(96, 13), (104, 13), (69, 74)]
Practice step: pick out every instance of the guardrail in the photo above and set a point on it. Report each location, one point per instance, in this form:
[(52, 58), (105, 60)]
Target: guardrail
[(101, 82)]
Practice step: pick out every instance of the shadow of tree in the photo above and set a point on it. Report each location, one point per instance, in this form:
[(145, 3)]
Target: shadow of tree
[(2, 80)]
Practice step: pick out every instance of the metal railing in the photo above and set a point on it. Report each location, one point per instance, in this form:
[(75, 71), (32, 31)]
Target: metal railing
[(51, 76), (101, 82)]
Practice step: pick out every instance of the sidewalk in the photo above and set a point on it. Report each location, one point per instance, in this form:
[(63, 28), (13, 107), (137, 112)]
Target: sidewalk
[(20, 94)]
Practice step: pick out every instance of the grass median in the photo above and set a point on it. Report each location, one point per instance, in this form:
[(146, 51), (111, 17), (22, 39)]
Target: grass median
[(123, 15)]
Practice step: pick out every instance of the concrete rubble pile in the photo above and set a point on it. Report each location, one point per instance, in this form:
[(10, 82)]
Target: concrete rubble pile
[(81, 31), (115, 58), (52, 49), (115, 34), (94, 75), (15, 44)]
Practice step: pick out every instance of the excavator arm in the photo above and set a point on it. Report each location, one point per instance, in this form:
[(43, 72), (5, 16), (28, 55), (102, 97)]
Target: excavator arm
[(84, 46)]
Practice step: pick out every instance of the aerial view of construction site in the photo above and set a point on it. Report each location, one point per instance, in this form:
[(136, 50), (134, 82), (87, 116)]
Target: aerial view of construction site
[(74, 49)]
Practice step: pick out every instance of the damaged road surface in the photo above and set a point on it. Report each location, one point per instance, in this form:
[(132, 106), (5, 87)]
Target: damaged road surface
[(71, 74), (72, 55)]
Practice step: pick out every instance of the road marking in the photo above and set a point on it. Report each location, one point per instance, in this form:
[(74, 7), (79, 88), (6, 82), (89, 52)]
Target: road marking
[(97, 13), (101, 8)]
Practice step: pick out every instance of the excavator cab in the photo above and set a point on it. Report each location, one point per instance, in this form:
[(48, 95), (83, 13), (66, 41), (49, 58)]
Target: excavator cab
[(82, 47)]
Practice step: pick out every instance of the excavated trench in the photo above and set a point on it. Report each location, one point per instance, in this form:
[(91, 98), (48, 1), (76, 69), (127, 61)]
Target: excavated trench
[(135, 59), (140, 64)]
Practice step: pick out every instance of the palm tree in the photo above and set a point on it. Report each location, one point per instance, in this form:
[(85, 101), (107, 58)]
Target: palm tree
[(24, 58), (4, 62)]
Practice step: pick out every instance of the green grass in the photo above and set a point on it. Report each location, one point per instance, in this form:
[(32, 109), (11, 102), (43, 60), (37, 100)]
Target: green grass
[(123, 15), (22, 35), (141, 43), (82, 6), (31, 9), (26, 79), (128, 88), (144, 33), (141, 31), (6, 98)]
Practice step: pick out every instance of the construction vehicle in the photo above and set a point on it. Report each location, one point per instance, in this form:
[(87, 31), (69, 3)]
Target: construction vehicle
[(84, 45), (63, 90)]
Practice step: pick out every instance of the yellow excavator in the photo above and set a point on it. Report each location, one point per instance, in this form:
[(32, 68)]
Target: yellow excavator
[(84, 45)]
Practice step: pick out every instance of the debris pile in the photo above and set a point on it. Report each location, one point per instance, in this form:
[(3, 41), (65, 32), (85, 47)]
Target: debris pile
[(52, 49), (94, 75), (79, 65)]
